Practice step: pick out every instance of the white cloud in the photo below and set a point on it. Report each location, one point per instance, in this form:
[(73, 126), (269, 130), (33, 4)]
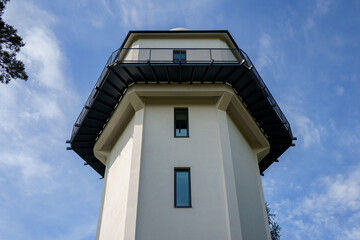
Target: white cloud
[(338, 156), (322, 6), (136, 13), (330, 210), (352, 234), (265, 51), (269, 185), (43, 57), (347, 135), (106, 6), (349, 138), (96, 23), (270, 57), (342, 193), (33, 112), (309, 23), (154, 14), (306, 130), (29, 165), (339, 90), (143, 14), (84, 231)]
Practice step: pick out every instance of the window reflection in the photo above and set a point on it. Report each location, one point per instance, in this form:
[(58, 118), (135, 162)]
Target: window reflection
[(179, 56), (182, 188), (181, 123)]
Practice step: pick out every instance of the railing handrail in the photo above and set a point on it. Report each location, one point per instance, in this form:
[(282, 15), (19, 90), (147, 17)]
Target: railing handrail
[(120, 55), (181, 48), (115, 56)]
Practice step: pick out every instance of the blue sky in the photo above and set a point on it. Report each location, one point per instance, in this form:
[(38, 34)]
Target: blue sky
[(307, 52)]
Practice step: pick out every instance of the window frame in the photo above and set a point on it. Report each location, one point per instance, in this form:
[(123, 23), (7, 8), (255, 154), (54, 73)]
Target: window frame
[(181, 52), (187, 122), (182, 169)]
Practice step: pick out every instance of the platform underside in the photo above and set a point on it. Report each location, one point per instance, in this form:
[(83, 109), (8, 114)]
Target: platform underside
[(117, 77)]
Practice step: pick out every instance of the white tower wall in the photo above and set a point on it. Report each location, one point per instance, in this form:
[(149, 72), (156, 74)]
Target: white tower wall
[(249, 191), (116, 187), (138, 195), (126, 133), (161, 153)]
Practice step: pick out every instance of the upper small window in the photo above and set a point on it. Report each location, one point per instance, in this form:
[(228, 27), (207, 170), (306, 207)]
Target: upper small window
[(181, 122), (179, 56)]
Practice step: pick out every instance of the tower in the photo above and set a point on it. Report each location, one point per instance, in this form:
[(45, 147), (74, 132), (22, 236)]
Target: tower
[(181, 125)]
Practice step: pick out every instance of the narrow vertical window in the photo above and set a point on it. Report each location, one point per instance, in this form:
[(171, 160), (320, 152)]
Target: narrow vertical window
[(182, 187), (181, 122), (179, 56)]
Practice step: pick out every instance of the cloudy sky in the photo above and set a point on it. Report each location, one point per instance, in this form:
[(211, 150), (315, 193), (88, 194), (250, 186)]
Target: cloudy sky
[(307, 52)]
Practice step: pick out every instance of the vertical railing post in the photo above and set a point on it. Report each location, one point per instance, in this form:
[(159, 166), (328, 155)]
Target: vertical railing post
[(117, 57), (240, 53), (149, 59), (211, 59)]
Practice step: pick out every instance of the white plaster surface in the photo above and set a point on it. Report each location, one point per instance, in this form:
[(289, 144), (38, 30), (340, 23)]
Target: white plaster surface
[(157, 217), (138, 195), (117, 176), (163, 48), (250, 197)]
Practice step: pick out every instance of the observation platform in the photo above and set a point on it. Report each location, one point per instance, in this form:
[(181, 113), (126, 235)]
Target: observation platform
[(229, 66)]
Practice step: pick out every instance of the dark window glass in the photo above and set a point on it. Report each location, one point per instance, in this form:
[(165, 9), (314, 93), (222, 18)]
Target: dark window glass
[(182, 188), (179, 55), (181, 122)]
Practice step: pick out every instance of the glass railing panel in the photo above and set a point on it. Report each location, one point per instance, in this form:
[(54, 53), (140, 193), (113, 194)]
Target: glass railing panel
[(113, 57), (192, 55), (161, 55), (136, 55), (225, 55), (144, 55), (258, 78), (247, 59), (197, 55)]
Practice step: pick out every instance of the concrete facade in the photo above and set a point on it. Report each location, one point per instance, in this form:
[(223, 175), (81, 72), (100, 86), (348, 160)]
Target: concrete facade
[(163, 45), (222, 151), (140, 154)]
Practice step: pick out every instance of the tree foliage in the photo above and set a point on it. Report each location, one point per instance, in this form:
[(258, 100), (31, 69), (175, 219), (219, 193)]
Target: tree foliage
[(10, 44), (274, 227)]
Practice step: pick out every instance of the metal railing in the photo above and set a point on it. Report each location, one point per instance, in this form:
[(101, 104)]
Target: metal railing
[(165, 55), (161, 55), (269, 96), (193, 56)]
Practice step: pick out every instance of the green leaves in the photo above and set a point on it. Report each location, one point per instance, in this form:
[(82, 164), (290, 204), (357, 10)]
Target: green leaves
[(274, 227), (10, 44)]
